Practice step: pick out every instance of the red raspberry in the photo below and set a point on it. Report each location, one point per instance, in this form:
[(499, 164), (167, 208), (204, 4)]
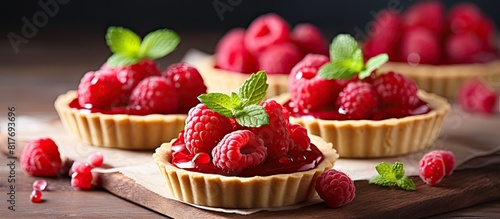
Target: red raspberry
[(308, 91), (335, 188), (420, 46), (95, 159), (299, 140), (461, 48), (468, 18), (448, 158), (274, 134), (238, 150), (385, 36), (41, 157), (358, 100), (435, 165), (232, 55), (427, 14), (395, 89), (100, 89), (265, 31), (204, 129), (279, 59), (309, 39), (81, 176), (154, 94), (477, 96), (130, 76), (188, 83)]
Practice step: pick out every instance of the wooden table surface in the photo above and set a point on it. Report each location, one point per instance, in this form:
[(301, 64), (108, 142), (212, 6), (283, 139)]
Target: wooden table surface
[(46, 67)]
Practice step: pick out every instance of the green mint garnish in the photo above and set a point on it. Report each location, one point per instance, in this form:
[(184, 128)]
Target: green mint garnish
[(347, 60), (392, 175), (128, 48), (243, 106)]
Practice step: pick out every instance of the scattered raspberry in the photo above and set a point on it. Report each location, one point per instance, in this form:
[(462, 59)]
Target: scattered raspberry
[(204, 129), (299, 140), (81, 175), (238, 150), (265, 31), (275, 134), (232, 55), (96, 159), (395, 89), (100, 89), (432, 168), (41, 157), (358, 100), (154, 94), (335, 188), (308, 91), (426, 14), (188, 83), (477, 96), (448, 158), (461, 48), (420, 46), (309, 39), (279, 59), (39, 184), (36, 196), (130, 76)]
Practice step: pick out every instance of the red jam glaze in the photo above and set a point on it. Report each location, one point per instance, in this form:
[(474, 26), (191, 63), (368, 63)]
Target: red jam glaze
[(380, 114), (293, 162), (115, 110)]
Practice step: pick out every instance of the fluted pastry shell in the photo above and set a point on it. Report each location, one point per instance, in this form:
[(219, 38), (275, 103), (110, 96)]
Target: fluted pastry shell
[(445, 80), (382, 138), (242, 192), (223, 81), (130, 132)]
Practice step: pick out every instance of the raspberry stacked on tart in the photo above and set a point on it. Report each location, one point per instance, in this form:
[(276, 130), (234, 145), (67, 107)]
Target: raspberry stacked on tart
[(438, 51), (364, 115), (267, 44), (238, 151), (129, 103)]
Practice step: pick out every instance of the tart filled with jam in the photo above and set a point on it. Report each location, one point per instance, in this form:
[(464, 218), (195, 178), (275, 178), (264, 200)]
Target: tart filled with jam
[(364, 114), (238, 151), (129, 103)]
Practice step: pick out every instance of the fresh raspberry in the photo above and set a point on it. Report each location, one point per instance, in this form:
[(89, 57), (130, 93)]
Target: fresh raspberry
[(426, 14), (41, 157), (308, 91), (395, 89), (274, 134), (420, 46), (265, 31), (188, 83), (238, 150), (95, 159), (335, 188), (100, 89), (204, 129), (309, 39), (385, 36), (448, 158), (477, 96), (299, 140), (81, 176), (232, 55), (358, 100), (461, 48), (279, 59), (435, 165), (468, 18), (130, 76), (154, 94), (36, 196)]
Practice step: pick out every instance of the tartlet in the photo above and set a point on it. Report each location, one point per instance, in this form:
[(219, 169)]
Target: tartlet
[(131, 132), (381, 138), (242, 192)]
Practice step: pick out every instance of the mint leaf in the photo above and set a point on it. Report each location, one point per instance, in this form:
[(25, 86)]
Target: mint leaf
[(123, 41), (218, 102), (159, 43), (118, 59), (345, 48), (253, 90), (372, 64), (252, 116), (337, 70), (236, 102), (390, 175)]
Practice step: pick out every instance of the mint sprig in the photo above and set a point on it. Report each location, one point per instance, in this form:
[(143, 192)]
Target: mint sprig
[(128, 48), (346, 60), (392, 175), (243, 106)]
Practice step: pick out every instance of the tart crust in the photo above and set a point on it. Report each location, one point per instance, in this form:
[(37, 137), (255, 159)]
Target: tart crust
[(223, 81), (383, 138), (215, 190), (131, 132), (445, 80)]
